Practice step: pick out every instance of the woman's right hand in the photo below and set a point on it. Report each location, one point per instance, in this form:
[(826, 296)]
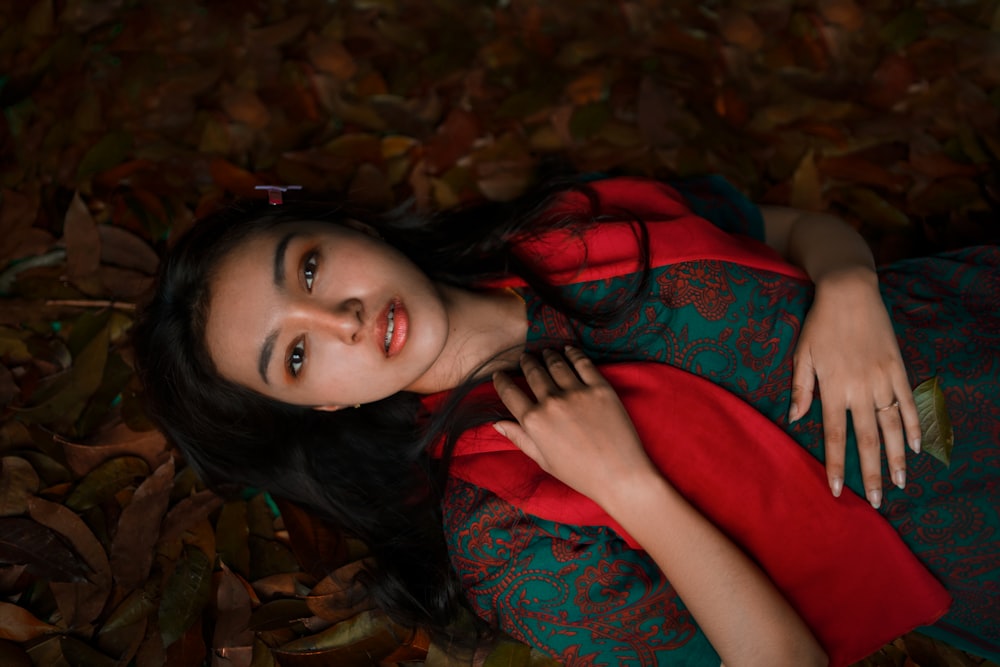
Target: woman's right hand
[(576, 428)]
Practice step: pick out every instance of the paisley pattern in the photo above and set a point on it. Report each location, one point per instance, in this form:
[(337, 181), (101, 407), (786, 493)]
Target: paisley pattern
[(582, 595)]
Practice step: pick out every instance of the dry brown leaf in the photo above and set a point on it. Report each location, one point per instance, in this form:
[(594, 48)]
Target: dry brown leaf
[(80, 603), (233, 608), (245, 107), (18, 483), (188, 512), (331, 57), (19, 625), (284, 585), (18, 238), (150, 446), (338, 596), (740, 29), (83, 241), (139, 528), (453, 139), (124, 249)]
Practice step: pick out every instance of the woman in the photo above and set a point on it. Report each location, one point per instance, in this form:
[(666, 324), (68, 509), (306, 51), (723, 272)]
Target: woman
[(292, 355)]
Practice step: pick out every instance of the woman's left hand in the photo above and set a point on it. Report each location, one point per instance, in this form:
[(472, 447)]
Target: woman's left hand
[(847, 344)]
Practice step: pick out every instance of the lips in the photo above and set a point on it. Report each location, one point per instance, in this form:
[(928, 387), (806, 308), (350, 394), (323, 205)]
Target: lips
[(393, 324)]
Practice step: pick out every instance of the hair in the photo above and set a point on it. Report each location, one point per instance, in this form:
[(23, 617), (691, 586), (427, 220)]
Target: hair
[(365, 470)]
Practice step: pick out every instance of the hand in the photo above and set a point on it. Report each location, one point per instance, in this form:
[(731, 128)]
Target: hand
[(848, 345), (577, 429)]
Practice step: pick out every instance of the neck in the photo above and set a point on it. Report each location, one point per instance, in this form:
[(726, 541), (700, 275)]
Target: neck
[(487, 331)]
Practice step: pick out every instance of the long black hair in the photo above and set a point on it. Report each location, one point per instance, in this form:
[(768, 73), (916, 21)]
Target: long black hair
[(365, 470)]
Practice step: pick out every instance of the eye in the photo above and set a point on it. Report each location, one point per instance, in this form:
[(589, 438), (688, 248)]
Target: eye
[(309, 271), (296, 358)]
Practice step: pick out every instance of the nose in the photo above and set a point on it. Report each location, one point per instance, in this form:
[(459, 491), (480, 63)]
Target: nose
[(343, 319)]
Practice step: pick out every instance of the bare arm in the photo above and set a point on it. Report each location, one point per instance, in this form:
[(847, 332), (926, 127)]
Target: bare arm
[(579, 432), (847, 344)]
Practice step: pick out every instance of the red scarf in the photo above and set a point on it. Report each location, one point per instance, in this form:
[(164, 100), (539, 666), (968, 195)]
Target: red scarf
[(839, 563)]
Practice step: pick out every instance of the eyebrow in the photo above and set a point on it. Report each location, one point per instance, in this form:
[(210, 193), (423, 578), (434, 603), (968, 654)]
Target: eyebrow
[(267, 349)]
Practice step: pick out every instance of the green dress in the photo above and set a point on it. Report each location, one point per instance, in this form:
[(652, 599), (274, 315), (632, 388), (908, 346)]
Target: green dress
[(582, 595)]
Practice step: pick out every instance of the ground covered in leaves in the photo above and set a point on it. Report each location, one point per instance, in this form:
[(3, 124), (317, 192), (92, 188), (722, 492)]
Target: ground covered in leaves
[(124, 120)]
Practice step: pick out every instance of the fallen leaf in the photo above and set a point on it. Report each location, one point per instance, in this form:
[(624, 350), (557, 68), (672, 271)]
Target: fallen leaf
[(83, 241), (339, 595), (368, 635), (188, 512), (331, 57), (937, 438), (139, 528), (233, 609), (187, 591), (150, 446), (18, 483), (26, 542), (19, 625), (126, 250), (739, 29), (80, 603), (105, 481)]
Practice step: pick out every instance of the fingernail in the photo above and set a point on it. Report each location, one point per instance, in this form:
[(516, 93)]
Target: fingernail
[(915, 445), (499, 429), (875, 498), (836, 485), (793, 414), (899, 477)]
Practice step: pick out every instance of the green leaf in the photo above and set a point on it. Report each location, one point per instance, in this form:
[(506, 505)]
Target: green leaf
[(937, 438), (508, 654), (186, 594), (368, 635), (105, 481)]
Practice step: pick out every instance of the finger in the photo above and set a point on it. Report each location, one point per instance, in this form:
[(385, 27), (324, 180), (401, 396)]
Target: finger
[(562, 373), (538, 377), (516, 400), (513, 432), (584, 366), (803, 384), (908, 412), (835, 443), (869, 452), (891, 425)]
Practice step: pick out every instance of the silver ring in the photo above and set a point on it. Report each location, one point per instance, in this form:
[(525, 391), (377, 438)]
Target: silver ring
[(894, 404)]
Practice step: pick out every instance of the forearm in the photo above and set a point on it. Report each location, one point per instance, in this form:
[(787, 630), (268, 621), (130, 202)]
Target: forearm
[(740, 610), (821, 244)]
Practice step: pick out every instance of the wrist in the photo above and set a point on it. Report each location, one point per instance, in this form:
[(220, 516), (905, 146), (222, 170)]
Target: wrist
[(632, 497)]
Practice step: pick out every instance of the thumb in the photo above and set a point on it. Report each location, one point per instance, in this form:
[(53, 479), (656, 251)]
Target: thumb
[(513, 432), (803, 383)]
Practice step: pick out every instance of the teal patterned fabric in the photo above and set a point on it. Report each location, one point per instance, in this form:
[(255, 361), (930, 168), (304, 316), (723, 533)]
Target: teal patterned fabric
[(582, 595)]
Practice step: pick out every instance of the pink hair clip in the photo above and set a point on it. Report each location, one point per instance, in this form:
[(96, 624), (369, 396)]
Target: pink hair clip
[(274, 192)]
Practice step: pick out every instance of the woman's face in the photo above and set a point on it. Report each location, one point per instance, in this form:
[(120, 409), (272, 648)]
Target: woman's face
[(323, 315)]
